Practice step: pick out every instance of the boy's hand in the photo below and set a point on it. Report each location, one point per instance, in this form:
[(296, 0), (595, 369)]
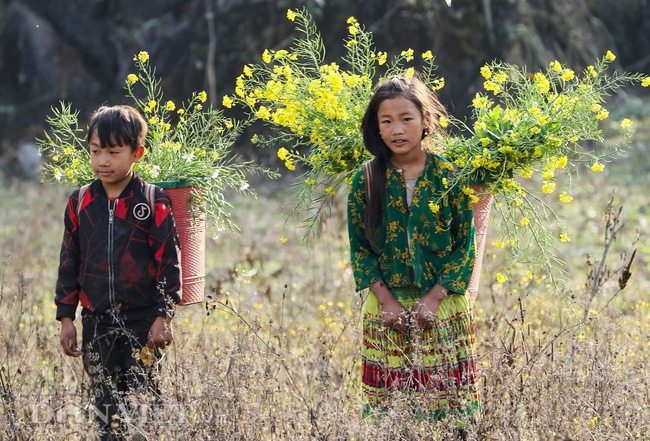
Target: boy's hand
[(160, 333), (68, 337)]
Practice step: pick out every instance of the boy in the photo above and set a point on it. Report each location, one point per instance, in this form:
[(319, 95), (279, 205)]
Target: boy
[(120, 259)]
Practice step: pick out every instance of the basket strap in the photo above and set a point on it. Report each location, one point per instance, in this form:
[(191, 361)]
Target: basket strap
[(150, 189), (367, 171), (82, 193)]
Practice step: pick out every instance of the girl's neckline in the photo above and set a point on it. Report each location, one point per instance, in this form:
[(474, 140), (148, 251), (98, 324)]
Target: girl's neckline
[(411, 172)]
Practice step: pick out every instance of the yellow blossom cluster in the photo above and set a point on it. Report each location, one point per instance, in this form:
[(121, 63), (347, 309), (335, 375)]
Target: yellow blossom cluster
[(316, 106), (530, 126), (185, 143)]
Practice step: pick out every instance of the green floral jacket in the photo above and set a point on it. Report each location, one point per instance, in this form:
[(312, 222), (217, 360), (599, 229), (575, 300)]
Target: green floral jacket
[(442, 244)]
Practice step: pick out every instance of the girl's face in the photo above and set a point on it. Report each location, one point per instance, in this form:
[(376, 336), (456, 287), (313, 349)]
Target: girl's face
[(400, 125)]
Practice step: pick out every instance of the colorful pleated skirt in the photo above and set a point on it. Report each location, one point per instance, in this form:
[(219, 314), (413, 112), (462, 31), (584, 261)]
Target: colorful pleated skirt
[(433, 372)]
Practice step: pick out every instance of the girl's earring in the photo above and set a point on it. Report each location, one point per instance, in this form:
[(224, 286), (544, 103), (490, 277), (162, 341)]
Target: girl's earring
[(425, 133)]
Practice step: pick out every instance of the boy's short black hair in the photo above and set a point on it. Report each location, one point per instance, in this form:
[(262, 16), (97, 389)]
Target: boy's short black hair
[(118, 125)]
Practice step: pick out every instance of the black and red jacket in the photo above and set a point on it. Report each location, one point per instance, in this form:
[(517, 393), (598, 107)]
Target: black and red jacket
[(118, 259)]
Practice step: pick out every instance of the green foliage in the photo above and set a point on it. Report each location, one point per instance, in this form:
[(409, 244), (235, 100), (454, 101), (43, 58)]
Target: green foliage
[(186, 144), (532, 124)]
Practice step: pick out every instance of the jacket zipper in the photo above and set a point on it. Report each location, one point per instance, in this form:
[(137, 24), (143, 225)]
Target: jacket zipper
[(111, 270)]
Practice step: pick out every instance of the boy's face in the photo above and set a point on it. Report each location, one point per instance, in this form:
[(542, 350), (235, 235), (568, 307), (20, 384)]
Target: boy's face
[(113, 165)]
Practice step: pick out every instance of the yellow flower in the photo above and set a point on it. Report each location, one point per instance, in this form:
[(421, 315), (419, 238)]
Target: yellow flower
[(480, 101), (479, 125), (548, 187), (564, 238), (501, 278), (131, 78), (498, 244), (542, 83), (485, 141), (407, 54), (248, 71), (486, 72), (568, 75), (645, 82), (229, 123), (383, 56), (602, 114), (266, 56), (409, 72), (284, 239), (492, 86), (524, 221), (289, 164), (565, 197), (330, 191), (180, 111), (592, 71), (444, 122), (598, 167), (561, 162), (282, 153), (500, 77), (227, 101), (202, 96), (438, 84), (626, 123), (143, 56), (170, 106), (610, 56), (291, 16), (548, 174), (434, 207), (526, 173), (263, 113), (427, 55), (556, 66)]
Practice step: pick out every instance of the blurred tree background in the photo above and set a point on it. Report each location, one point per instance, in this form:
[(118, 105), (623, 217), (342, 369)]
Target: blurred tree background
[(80, 51)]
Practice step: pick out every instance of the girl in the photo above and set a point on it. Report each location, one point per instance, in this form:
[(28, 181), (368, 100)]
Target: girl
[(412, 244)]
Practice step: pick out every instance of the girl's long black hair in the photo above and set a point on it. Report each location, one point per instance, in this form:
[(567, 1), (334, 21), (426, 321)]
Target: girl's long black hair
[(426, 100)]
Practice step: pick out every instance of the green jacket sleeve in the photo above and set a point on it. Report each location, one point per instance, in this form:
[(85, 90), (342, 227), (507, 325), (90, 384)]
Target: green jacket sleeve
[(457, 269), (364, 260)]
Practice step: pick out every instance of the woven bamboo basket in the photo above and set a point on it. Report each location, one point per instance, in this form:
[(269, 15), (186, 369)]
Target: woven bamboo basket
[(481, 222), (190, 224)]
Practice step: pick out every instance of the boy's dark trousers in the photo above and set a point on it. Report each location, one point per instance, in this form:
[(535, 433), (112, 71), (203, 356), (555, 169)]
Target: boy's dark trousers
[(120, 381)]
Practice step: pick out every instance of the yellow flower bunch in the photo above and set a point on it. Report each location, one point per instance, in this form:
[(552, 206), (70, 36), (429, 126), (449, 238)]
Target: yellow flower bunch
[(524, 135), (316, 107), (187, 142), (527, 126)]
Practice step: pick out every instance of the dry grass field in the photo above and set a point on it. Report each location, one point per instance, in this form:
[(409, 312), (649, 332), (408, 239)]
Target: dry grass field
[(273, 353)]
